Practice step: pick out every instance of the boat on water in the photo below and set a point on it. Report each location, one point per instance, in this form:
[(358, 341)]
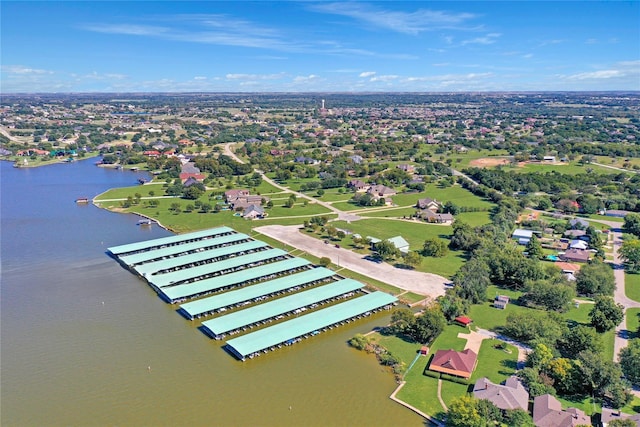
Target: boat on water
[(145, 222), (82, 200)]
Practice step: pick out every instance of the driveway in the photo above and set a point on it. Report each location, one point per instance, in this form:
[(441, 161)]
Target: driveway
[(426, 284)]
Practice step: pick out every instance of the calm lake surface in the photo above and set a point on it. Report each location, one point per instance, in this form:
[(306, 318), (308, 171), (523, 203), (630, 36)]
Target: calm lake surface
[(78, 332)]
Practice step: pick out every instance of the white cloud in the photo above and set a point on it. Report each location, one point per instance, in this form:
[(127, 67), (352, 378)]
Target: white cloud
[(19, 69), (305, 79), (127, 29), (384, 78), (366, 74), (199, 78), (402, 22), (488, 39), (251, 77), (625, 74)]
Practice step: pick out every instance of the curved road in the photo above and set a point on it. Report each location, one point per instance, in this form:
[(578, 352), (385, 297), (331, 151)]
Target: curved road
[(427, 284), (344, 216)]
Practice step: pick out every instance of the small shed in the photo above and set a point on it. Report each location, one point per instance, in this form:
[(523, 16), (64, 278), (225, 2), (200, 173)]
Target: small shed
[(424, 350), (463, 320), (501, 302)]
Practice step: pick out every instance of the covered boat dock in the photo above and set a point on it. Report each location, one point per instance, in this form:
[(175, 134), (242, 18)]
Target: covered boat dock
[(198, 258), (188, 248), (191, 290), (292, 331), (219, 268), (256, 292), (164, 242), (277, 309)]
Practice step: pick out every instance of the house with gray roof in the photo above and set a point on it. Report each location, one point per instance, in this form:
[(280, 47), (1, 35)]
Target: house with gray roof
[(511, 395), (548, 412)]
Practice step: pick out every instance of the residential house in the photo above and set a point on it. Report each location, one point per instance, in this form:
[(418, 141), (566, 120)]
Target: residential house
[(253, 212), (522, 236), (463, 320), (358, 185), (433, 217), (378, 191), (579, 223), (190, 181), (547, 412), (609, 415), (232, 195), (578, 244), (575, 255), (406, 168), (511, 395), (246, 201), (457, 363), (575, 233), (427, 203)]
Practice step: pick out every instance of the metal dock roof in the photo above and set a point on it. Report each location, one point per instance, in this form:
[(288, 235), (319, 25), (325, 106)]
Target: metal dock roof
[(171, 240), (197, 257), (172, 251), (280, 306), (207, 285), (215, 302), (282, 332), (161, 280)]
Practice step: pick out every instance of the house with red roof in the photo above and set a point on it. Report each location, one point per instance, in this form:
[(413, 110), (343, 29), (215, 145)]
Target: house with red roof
[(457, 363)]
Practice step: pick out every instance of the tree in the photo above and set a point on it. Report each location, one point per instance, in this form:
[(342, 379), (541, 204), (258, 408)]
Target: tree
[(534, 248), (540, 357), (621, 423), (434, 247), (632, 224), (579, 338), (320, 192), (463, 412), (359, 341), (464, 237), (630, 361), (606, 314), (518, 418), (429, 325), (630, 253), (387, 250), (324, 261), (289, 203), (175, 208), (402, 321), (471, 281), (412, 258), (595, 278), (550, 295)]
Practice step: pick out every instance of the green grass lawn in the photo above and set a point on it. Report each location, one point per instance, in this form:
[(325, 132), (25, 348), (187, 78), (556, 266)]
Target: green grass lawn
[(585, 404), (632, 286), (571, 168), (633, 321), (455, 194), (390, 213), (415, 232), (474, 219), (297, 210), (633, 407)]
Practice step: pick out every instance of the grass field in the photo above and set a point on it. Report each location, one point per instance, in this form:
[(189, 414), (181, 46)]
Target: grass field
[(632, 286), (415, 233), (633, 321), (455, 194), (571, 168)]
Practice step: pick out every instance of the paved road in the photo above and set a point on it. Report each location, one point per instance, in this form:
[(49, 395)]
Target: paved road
[(343, 216), (621, 340), (427, 284)]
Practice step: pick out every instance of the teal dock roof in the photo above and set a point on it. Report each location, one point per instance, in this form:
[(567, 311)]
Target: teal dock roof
[(167, 279), (280, 306), (171, 240), (172, 251), (197, 257), (215, 302), (173, 293), (282, 332)]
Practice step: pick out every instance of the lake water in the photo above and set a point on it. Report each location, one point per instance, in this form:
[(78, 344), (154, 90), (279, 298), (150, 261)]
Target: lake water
[(78, 332)]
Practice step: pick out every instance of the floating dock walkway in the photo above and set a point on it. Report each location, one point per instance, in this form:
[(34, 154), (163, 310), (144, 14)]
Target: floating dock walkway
[(220, 269)]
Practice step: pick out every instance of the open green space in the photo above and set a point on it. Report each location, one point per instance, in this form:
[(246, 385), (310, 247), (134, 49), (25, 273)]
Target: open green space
[(632, 286), (415, 233), (455, 194), (571, 168), (633, 321), (390, 213)]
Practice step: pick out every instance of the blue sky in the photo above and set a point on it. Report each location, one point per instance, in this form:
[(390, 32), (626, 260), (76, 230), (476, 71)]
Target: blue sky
[(269, 46)]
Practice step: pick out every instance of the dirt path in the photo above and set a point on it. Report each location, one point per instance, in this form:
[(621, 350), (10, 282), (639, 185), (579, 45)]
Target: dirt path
[(427, 284)]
